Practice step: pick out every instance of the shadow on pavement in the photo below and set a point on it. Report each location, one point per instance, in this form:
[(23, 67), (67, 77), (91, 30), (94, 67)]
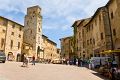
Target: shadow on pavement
[(102, 77)]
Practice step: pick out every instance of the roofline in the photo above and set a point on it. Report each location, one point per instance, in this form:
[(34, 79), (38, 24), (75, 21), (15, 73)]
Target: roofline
[(44, 36), (34, 6), (97, 11), (11, 21), (50, 40), (83, 21), (66, 37), (75, 23), (109, 2)]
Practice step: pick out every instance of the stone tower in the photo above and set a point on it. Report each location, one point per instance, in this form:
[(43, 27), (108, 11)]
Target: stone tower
[(33, 29)]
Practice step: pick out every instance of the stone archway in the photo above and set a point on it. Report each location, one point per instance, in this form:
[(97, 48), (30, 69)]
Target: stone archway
[(18, 57), (10, 56)]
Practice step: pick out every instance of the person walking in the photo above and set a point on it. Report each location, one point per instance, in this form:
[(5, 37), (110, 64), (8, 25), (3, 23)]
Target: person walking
[(23, 65), (33, 60), (26, 61)]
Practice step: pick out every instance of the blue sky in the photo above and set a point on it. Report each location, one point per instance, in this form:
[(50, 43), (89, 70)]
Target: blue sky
[(58, 15)]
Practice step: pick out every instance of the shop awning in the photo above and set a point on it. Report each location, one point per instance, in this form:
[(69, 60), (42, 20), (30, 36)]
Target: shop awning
[(110, 51)]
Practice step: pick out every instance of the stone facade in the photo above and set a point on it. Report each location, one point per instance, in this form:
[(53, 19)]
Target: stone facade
[(3, 26), (102, 32), (67, 47), (80, 38), (50, 49), (113, 7), (75, 37), (11, 38), (33, 30)]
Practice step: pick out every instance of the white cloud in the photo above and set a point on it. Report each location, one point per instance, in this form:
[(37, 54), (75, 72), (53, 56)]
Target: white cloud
[(69, 10)]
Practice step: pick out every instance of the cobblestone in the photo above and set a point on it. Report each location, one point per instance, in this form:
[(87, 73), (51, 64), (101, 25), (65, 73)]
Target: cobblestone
[(14, 71)]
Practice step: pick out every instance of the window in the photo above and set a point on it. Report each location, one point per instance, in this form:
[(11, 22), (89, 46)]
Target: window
[(87, 42), (31, 31), (112, 15), (13, 26), (3, 31), (33, 12), (39, 29), (20, 29), (19, 36), (79, 35), (101, 36), (77, 48), (94, 41), (114, 32), (12, 33), (90, 41), (11, 44), (2, 42), (18, 45)]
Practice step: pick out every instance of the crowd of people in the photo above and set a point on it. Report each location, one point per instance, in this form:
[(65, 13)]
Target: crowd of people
[(76, 61)]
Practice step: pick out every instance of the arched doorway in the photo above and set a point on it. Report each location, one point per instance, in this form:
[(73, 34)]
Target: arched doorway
[(18, 57), (10, 56)]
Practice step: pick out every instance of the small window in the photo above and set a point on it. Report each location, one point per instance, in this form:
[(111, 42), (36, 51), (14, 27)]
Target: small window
[(87, 42), (3, 31), (2, 42), (33, 12), (19, 36), (90, 41), (11, 44), (114, 32), (12, 33), (20, 29), (112, 15), (101, 36), (18, 45), (39, 29), (94, 41), (13, 26)]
